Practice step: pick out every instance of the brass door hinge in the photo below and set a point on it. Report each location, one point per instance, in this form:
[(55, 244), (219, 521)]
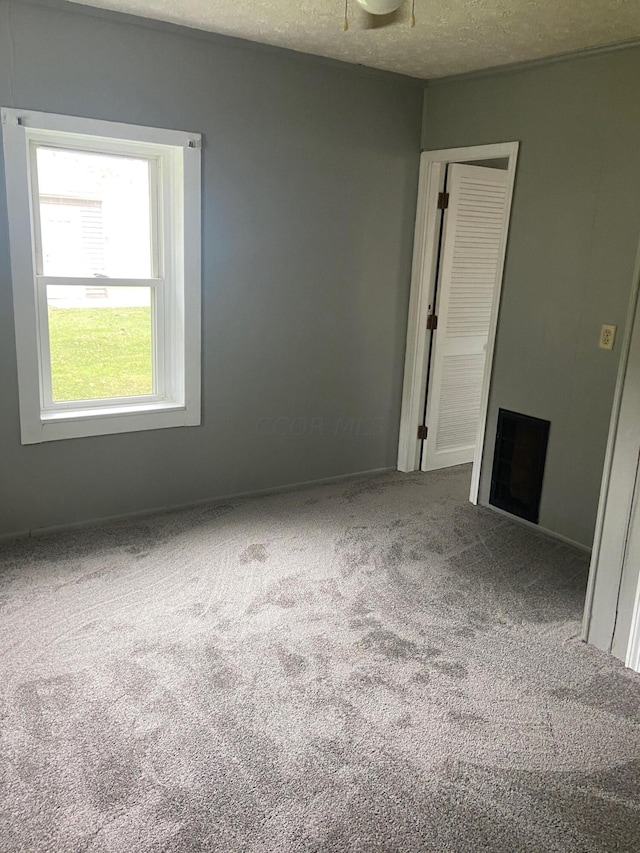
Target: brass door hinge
[(432, 322), (443, 201), (422, 431)]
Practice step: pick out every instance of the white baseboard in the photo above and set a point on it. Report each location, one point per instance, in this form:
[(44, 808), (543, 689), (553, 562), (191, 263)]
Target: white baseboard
[(536, 528), (107, 519)]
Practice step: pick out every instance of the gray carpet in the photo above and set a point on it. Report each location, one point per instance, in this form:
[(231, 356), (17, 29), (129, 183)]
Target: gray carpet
[(370, 666)]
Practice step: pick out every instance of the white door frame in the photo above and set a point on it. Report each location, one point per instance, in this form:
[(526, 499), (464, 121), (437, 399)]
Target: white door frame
[(610, 621), (423, 281), (632, 652), (632, 659)]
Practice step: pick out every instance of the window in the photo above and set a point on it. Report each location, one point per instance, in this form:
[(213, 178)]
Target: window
[(104, 227)]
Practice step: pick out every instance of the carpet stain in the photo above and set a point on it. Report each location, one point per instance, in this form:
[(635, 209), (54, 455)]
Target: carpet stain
[(452, 669), (611, 692), (390, 645), (255, 553)]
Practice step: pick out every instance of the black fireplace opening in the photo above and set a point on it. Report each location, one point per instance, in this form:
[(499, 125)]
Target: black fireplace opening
[(518, 464)]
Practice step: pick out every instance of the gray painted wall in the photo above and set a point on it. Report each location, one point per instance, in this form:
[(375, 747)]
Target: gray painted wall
[(310, 181), (570, 259)]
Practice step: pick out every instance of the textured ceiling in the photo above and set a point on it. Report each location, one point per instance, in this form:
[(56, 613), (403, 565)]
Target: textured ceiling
[(450, 36)]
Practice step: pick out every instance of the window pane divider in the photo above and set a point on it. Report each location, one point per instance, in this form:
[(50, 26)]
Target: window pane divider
[(98, 281)]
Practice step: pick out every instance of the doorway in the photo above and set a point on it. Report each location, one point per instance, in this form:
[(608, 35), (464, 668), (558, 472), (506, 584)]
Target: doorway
[(612, 609), (462, 220)]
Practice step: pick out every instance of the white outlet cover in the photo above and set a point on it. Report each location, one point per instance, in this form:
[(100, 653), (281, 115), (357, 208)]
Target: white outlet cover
[(607, 336)]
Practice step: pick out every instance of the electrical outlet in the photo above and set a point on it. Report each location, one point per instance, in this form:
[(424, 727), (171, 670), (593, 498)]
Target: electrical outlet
[(607, 336)]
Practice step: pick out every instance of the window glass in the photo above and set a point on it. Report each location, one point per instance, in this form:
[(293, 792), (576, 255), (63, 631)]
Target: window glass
[(100, 340), (95, 214)]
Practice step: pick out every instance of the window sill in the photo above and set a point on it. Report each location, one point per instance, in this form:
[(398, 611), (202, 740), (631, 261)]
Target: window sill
[(82, 423), (66, 415)]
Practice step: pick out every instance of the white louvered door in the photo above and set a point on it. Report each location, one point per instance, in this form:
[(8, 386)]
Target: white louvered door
[(469, 264)]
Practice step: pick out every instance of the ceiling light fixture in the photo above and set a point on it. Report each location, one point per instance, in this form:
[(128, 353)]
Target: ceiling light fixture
[(383, 9), (380, 7)]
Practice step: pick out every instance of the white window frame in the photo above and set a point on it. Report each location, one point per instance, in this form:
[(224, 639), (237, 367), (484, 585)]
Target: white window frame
[(176, 228)]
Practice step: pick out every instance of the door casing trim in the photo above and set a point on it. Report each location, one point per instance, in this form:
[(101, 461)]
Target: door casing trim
[(423, 278), (617, 504)]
